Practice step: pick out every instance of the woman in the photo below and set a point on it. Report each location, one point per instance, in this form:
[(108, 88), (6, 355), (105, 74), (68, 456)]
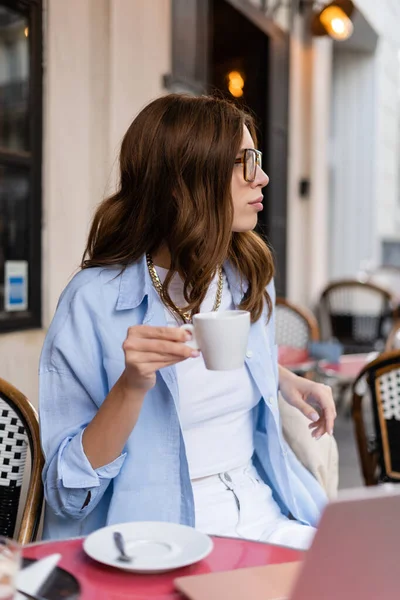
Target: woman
[(133, 425)]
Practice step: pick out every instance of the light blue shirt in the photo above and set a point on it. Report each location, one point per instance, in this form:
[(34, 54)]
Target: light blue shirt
[(82, 359)]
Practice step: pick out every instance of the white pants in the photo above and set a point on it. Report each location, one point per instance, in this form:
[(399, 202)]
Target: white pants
[(238, 503)]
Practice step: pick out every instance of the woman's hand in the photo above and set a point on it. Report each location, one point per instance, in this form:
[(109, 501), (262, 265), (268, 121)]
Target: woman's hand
[(313, 399), (148, 349)]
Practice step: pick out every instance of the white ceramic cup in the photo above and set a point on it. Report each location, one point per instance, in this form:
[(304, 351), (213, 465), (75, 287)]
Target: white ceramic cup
[(222, 338)]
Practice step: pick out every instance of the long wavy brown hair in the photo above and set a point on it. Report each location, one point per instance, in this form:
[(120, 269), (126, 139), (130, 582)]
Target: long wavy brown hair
[(176, 165)]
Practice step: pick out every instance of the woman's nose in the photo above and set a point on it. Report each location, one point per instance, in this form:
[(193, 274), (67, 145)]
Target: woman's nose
[(261, 179)]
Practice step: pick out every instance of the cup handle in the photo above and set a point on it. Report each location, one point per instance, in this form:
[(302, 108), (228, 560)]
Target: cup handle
[(193, 342)]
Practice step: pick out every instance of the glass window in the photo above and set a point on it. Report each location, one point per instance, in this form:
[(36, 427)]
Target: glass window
[(14, 80), (20, 163)]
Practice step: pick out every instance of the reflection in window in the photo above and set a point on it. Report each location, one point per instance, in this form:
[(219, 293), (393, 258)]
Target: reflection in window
[(14, 80)]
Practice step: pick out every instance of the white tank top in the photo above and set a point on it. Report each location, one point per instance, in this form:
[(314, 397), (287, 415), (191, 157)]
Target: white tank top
[(215, 408)]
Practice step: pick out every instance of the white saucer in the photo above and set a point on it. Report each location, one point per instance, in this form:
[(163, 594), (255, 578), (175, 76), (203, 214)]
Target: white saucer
[(155, 547)]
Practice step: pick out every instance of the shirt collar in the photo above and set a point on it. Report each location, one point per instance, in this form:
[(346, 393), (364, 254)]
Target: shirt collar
[(135, 284), (237, 285)]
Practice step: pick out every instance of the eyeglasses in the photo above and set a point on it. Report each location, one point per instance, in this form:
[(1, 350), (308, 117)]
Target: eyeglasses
[(251, 159)]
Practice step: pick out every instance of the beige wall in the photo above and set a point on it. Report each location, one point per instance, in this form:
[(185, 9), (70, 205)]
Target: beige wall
[(19, 358), (317, 265), (104, 59), (94, 87), (309, 122), (299, 163)]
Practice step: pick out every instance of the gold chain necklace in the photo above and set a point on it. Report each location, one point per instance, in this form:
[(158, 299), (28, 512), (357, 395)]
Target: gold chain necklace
[(176, 311)]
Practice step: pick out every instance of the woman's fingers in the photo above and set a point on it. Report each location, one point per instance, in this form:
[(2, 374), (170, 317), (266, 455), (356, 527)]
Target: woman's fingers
[(321, 396), (172, 334), (148, 349), (156, 357), (318, 429), (157, 346)]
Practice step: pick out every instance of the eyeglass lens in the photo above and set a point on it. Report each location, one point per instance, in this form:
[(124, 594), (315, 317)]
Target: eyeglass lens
[(251, 165)]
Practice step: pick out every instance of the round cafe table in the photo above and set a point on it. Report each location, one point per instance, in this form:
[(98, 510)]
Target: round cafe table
[(296, 360), (348, 367), (100, 582)]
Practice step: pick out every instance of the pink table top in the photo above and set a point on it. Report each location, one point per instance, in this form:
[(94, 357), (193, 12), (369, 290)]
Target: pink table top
[(99, 582), (348, 367), (295, 358)]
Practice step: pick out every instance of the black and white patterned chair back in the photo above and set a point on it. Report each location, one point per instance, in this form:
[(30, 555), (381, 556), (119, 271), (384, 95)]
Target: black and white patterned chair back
[(387, 420), (359, 315), (13, 456), (290, 328), (376, 415), (295, 326)]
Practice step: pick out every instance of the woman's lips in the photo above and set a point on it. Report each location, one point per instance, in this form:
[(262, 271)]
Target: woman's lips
[(258, 204)]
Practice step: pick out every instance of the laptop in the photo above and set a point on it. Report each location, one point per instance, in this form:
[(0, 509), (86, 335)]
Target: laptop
[(355, 555)]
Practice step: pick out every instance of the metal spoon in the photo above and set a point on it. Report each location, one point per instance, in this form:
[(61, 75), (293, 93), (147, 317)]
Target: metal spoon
[(31, 596), (120, 544)]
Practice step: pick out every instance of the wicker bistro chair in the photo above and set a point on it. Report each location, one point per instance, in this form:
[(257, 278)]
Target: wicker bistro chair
[(358, 314), (376, 417), (295, 326), (19, 428)]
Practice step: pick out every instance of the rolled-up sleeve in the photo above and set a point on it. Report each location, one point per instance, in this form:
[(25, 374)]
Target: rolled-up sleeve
[(72, 487), (76, 471), (72, 386)]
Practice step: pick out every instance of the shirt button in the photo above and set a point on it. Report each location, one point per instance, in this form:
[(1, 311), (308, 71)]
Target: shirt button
[(249, 354), (284, 453), (271, 400)]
